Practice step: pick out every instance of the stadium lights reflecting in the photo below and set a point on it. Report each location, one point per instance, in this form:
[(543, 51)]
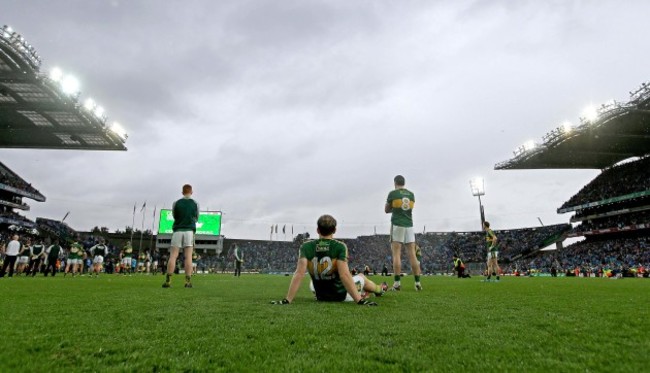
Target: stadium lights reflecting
[(56, 74), (118, 130), (590, 113), (567, 127), (89, 104), (477, 185), (99, 112), (70, 85), (529, 145)]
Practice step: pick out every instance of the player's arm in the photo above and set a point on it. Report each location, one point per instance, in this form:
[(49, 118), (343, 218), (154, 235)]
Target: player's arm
[(388, 208), (346, 279), (296, 280)]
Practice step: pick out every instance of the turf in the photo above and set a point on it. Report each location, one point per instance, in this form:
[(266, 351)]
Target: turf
[(117, 323)]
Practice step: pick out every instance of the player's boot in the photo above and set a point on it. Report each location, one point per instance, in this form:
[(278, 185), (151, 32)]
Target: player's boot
[(418, 286), (396, 287), (188, 284), (166, 285)]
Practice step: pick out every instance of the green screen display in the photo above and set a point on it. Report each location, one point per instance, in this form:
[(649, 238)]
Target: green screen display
[(209, 222)]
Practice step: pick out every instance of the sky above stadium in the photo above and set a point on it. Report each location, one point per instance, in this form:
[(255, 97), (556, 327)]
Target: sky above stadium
[(280, 111)]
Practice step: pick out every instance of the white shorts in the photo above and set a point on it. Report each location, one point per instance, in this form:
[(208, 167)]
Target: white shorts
[(492, 254), (359, 282), (182, 239), (23, 260), (74, 261), (140, 264), (155, 263), (194, 265), (402, 234), (98, 259), (126, 261)]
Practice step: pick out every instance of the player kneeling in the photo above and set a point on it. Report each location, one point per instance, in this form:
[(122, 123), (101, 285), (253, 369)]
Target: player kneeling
[(326, 260)]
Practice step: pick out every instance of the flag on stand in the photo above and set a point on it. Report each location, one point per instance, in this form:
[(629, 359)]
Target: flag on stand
[(143, 206), (66, 215), (284, 229)]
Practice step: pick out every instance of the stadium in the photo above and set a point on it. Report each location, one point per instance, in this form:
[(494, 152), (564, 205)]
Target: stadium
[(557, 306)]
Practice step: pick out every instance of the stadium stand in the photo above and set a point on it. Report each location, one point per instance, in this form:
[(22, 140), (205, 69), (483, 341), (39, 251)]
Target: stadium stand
[(613, 209), (44, 111), (617, 181)]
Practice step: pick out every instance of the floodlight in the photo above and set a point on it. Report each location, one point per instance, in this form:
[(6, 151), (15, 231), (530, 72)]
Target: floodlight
[(477, 185), (70, 85), (8, 29), (56, 74), (89, 104), (590, 113), (118, 130), (567, 127), (99, 111), (529, 145)]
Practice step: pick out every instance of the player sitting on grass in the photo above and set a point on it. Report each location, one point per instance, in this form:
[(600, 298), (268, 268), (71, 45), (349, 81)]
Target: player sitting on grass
[(326, 260)]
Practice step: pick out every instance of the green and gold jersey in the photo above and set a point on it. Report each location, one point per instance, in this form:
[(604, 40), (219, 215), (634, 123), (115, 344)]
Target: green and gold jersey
[(142, 256), (76, 251), (490, 239), (323, 258), (195, 257), (402, 202), (127, 252)]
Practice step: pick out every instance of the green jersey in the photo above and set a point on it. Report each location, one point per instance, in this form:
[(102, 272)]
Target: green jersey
[(194, 257), (76, 251), (53, 253), (401, 201), (142, 257), (490, 240), (127, 252), (37, 250), (186, 214), (323, 258)]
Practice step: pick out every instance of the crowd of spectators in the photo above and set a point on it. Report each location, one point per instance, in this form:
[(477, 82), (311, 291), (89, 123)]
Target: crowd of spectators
[(56, 228), (9, 215), (9, 178), (615, 181), (590, 256), (617, 221), (374, 251)]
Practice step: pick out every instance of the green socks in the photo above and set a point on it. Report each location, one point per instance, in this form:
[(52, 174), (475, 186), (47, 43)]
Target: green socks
[(417, 278)]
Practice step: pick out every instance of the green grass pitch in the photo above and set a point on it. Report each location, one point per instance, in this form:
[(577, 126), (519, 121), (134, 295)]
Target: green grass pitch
[(117, 323)]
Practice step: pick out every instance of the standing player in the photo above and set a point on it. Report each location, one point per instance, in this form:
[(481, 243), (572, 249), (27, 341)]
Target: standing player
[(23, 257), (37, 254), (195, 259), (400, 204), (126, 255), (75, 259), (52, 253), (11, 253), (326, 259), (493, 252), (98, 252), (239, 259), (186, 214), (142, 258)]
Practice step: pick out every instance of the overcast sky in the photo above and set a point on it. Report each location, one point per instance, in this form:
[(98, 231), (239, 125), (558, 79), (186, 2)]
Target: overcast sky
[(280, 111)]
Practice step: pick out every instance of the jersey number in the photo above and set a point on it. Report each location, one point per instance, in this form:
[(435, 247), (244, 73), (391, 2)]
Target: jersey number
[(406, 204), (321, 269)]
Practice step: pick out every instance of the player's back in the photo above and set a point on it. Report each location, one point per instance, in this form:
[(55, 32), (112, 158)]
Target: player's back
[(323, 258)]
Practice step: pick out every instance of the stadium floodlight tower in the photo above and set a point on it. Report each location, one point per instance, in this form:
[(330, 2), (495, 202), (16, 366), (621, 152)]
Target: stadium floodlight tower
[(477, 185)]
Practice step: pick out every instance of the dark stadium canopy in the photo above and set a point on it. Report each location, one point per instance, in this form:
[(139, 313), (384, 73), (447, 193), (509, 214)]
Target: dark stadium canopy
[(36, 113), (617, 131)]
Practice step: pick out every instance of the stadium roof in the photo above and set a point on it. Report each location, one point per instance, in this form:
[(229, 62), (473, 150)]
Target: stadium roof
[(605, 136), (39, 111)]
